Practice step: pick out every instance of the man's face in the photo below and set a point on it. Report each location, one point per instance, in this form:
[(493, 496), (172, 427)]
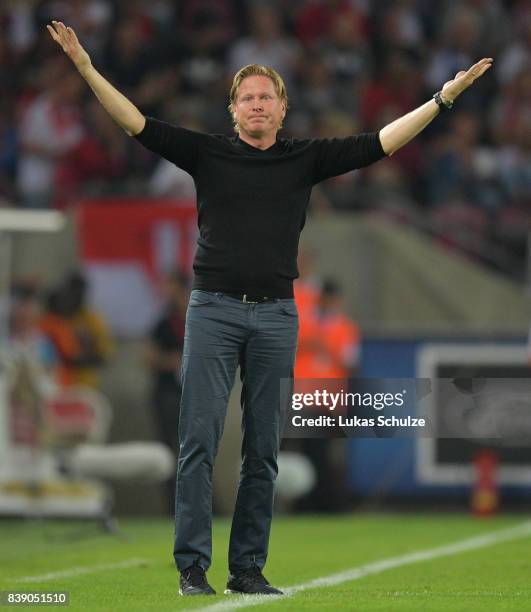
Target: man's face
[(258, 110)]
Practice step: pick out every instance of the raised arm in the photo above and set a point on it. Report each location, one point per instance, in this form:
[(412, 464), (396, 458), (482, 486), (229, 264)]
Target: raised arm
[(399, 132), (122, 110)]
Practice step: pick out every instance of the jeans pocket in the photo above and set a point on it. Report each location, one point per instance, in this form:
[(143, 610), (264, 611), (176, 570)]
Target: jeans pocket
[(289, 307), (201, 298)]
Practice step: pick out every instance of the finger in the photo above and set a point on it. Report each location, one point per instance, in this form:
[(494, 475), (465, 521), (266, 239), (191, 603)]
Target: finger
[(53, 34), (485, 62), (67, 39), (62, 31), (55, 28), (474, 72), (73, 35), (59, 31), (57, 37), (480, 69), (460, 74), (68, 34)]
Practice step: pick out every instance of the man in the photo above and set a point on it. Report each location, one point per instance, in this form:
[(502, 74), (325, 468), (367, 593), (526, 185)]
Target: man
[(252, 193), (328, 348), (90, 330), (329, 341)]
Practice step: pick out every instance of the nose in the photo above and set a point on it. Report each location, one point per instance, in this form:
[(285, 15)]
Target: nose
[(258, 106)]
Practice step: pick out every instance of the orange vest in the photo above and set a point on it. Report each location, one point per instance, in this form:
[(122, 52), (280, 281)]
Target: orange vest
[(61, 333), (328, 346)]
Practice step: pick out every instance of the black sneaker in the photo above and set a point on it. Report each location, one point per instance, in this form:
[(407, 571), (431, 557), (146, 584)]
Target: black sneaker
[(194, 582), (249, 581)]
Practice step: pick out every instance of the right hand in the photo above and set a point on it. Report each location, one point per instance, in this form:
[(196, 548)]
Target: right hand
[(464, 78), (67, 39)]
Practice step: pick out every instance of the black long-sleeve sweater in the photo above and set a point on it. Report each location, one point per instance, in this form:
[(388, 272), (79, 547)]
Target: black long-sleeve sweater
[(252, 203)]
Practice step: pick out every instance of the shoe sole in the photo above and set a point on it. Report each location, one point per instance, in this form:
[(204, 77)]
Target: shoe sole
[(194, 594), (231, 592)]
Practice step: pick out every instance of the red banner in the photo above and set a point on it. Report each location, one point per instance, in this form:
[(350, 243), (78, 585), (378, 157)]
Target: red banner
[(126, 246)]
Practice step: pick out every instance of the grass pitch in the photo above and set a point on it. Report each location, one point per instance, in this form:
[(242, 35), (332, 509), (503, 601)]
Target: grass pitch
[(135, 572)]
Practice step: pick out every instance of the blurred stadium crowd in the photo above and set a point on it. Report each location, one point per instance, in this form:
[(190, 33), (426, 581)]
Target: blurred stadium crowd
[(349, 65), (57, 332), (54, 342)]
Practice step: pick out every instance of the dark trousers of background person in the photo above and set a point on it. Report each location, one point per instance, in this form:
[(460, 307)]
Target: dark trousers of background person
[(221, 333), (166, 400), (329, 493)]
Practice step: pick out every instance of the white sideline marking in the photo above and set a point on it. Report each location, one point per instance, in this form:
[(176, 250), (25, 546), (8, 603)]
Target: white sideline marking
[(355, 573), (79, 571)]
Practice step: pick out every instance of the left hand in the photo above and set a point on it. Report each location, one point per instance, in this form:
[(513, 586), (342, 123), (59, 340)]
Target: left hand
[(463, 79)]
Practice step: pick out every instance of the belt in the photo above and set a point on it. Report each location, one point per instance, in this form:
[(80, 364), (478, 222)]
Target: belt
[(247, 298)]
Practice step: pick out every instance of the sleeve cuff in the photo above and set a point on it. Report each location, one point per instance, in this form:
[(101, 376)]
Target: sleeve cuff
[(143, 136)]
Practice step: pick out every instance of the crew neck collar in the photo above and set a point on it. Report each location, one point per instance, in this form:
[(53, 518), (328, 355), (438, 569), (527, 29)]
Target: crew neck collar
[(249, 148)]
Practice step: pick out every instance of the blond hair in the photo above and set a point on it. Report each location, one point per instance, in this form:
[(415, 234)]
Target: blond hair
[(256, 70)]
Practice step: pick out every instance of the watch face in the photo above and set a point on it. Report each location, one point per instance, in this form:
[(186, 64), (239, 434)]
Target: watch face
[(438, 98)]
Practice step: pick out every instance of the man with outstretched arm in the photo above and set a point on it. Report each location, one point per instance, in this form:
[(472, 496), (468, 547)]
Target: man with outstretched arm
[(252, 193)]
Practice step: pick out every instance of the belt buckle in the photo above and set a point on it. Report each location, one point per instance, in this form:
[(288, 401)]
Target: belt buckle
[(246, 301)]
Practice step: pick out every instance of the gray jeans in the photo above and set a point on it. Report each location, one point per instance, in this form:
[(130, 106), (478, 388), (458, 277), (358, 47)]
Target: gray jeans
[(222, 333)]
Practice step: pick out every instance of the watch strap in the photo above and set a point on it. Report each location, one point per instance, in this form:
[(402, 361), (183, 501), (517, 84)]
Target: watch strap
[(444, 106)]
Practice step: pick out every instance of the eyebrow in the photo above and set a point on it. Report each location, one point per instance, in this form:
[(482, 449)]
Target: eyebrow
[(262, 93)]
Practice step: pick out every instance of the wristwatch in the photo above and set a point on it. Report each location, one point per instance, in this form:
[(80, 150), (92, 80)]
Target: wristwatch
[(444, 106)]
